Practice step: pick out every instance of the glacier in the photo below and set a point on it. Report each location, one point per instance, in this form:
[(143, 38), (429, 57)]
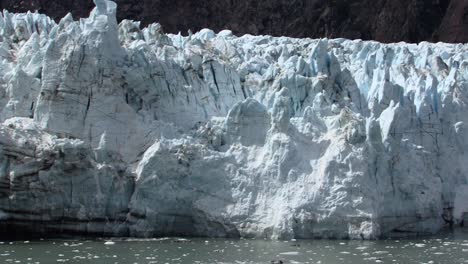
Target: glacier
[(112, 130)]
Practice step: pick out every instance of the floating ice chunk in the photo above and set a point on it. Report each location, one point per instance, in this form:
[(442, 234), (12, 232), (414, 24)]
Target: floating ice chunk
[(291, 253)]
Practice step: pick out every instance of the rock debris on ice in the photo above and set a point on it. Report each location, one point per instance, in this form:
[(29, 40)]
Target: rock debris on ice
[(110, 129)]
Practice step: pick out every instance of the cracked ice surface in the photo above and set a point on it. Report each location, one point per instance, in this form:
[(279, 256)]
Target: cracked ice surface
[(112, 130)]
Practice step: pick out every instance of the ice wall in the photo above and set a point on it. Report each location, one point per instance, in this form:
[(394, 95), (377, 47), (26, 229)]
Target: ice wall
[(109, 129)]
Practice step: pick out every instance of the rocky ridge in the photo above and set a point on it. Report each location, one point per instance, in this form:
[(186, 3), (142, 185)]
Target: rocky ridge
[(380, 20)]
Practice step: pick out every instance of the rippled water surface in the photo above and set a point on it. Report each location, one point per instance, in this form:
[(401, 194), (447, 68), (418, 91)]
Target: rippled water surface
[(449, 248)]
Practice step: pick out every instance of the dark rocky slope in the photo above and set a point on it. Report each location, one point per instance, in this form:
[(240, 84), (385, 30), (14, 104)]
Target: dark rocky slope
[(382, 20)]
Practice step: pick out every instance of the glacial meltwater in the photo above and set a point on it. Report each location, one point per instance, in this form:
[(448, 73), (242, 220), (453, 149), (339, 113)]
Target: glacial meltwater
[(448, 248)]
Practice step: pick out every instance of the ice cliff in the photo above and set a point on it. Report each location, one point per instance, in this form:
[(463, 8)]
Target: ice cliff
[(109, 129)]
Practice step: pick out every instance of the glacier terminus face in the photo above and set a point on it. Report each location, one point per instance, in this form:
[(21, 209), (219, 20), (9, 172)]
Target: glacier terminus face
[(109, 129)]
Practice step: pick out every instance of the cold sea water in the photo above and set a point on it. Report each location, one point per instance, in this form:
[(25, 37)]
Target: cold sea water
[(448, 247)]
